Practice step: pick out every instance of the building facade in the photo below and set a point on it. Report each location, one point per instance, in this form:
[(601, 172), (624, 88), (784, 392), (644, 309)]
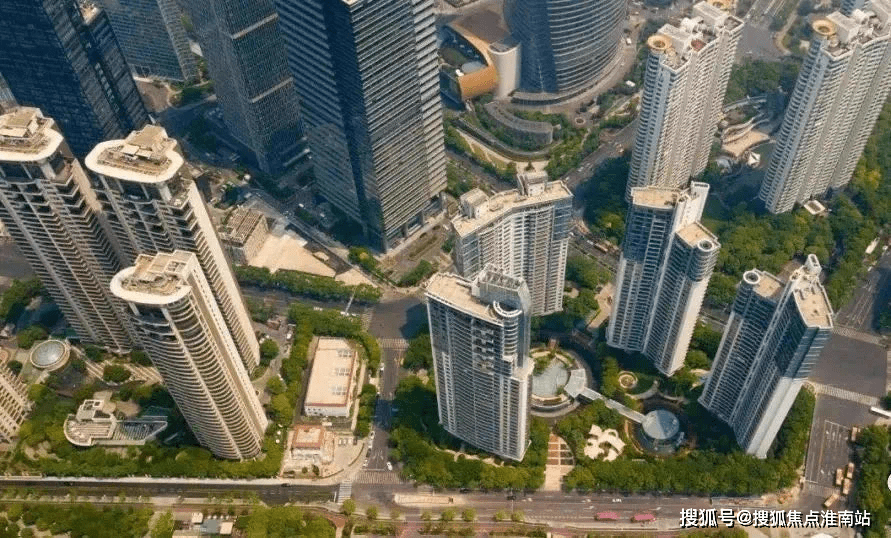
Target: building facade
[(14, 405), (842, 85), (371, 107), (7, 100), (152, 205), (246, 60), (185, 336), (152, 38), (688, 69), (479, 333), (65, 60), (666, 263), (243, 234), (771, 342), (567, 45), (523, 232), (49, 210)]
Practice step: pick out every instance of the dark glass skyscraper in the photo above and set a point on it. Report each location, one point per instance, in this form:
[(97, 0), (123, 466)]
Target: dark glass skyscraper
[(63, 58), (368, 79), (567, 44), (247, 62)]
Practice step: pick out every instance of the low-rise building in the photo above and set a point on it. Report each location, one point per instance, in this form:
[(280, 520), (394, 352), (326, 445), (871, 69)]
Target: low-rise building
[(329, 392), (243, 234), (95, 423), (313, 443)]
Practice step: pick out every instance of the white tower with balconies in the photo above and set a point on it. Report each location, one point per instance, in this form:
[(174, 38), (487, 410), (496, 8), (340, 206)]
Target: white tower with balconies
[(479, 333), (687, 74), (152, 205), (184, 334)]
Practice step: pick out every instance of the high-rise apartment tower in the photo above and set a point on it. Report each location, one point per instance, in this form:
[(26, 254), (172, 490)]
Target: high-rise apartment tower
[(185, 336), (246, 60), (62, 57), (771, 342), (479, 332), (49, 210), (152, 205), (666, 263), (152, 37), (371, 107), (523, 232), (842, 86), (687, 73), (567, 45)]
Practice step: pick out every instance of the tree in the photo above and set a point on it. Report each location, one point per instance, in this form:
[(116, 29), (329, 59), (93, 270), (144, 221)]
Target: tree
[(282, 409), (163, 527), (419, 355), (426, 515), (468, 515), (15, 366), (447, 515), (275, 386), (395, 514), (371, 513), (115, 373), (27, 337), (517, 516), (94, 353), (697, 359), (140, 357), (268, 351), (348, 507), (500, 515)]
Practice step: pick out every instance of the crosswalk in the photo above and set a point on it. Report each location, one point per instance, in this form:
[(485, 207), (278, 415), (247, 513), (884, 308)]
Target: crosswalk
[(379, 477), (843, 394), (399, 344), (365, 319), (857, 335), (345, 491)]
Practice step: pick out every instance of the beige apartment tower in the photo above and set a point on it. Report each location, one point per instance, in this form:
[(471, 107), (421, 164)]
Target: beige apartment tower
[(48, 208), (184, 333), (524, 232), (152, 205)]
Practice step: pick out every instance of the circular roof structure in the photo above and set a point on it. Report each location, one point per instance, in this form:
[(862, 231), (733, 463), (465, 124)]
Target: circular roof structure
[(49, 354), (661, 424)]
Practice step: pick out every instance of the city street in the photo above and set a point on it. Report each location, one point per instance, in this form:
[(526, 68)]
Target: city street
[(870, 297)]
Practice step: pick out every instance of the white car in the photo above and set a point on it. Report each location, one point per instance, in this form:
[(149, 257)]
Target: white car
[(389, 466), (617, 500)]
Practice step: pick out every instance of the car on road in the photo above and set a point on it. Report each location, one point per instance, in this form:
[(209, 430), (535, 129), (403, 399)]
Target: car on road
[(617, 500)]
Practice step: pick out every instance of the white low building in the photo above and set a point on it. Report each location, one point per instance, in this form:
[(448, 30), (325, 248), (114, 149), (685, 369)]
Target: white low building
[(329, 393)]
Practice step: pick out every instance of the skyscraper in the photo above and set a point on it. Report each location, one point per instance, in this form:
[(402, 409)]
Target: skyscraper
[(185, 336), (523, 232), (666, 263), (246, 59), (686, 77), (152, 205), (48, 208), (843, 83), (771, 342), (152, 38), (371, 106), (65, 60), (567, 45), (479, 332)]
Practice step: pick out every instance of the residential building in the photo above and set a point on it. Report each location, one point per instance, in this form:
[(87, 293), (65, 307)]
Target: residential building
[(334, 369), (841, 88), (371, 107), (776, 332), (14, 405), (246, 60), (152, 205), (184, 334), (243, 233), (667, 260), (524, 232), (567, 46), (62, 57), (687, 72), (49, 210), (479, 333), (152, 38)]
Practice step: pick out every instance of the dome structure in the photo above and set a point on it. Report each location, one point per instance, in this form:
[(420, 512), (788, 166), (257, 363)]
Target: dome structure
[(661, 425), (50, 355)]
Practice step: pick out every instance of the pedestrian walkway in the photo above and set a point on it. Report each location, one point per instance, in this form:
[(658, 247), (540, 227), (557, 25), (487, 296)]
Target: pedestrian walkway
[(379, 477), (345, 491), (398, 344), (843, 394), (857, 335)]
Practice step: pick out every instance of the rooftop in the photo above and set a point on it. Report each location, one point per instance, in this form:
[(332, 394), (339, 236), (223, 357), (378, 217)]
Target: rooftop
[(332, 373), (661, 424), (158, 278), (147, 155), (240, 224), (455, 291), (693, 234), (845, 33), (310, 437), (504, 203), (655, 197), (707, 22), (26, 135), (765, 284), (810, 296)]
